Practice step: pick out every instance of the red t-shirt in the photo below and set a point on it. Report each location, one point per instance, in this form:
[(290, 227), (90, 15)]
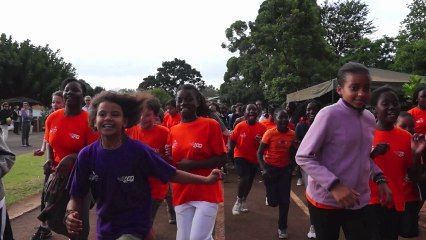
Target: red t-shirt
[(169, 120), (277, 154), (244, 136), (196, 140), (394, 164), (156, 138), (268, 123), (67, 135), (419, 116)]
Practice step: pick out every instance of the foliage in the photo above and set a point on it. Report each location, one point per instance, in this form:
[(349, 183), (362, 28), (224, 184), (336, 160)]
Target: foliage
[(414, 24), (127, 90), (25, 178), (210, 91), (161, 94), (410, 87), (345, 22), (238, 91), (97, 90), (31, 71), (283, 52), (372, 53), (171, 75)]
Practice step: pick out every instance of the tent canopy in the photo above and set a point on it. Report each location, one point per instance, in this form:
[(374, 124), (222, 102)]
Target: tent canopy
[(20, 100), (379, 76)]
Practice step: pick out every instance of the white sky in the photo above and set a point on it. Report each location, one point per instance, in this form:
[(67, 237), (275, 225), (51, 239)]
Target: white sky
[(115, 44)]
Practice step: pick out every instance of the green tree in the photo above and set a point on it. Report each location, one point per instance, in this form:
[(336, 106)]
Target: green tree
[(345, 22), (411, 46), (31, 71), (161, 94), (284, 51), (171, 75), (410, 87), (210, 91), (239, 91), (97, 90)]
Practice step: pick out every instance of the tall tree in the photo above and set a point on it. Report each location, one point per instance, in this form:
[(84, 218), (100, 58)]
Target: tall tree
[(284, 51), (411, 46), (345, 22), (171, 75), (31, 71)]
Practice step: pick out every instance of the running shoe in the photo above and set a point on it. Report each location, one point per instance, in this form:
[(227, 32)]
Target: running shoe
[(42, 233), (244, 207), (311, 233), (237, 208), (282, 233)]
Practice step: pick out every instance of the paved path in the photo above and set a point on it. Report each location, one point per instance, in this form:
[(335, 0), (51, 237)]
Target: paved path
[(259, 223)]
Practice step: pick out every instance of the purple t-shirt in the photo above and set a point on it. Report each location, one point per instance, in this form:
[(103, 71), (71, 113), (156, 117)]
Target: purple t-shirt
[(119, 180)]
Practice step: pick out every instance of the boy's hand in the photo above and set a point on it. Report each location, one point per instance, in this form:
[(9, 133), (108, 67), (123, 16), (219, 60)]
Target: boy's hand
[(379, 149), (214, 176), (73, 223), (184, 165), (258, 137), (385, 196), (418, 143), (345, 196)]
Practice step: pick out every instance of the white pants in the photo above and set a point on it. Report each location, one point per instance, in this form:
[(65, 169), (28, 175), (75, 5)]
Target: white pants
[(195, 220), (4, 132)]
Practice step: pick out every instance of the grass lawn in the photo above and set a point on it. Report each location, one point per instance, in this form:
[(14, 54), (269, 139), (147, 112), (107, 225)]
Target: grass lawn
[(25, 178)]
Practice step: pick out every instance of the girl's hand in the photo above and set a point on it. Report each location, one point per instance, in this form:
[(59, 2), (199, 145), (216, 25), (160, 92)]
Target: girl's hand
[(418, 143), (379, 149), (214, 176), (385, 196), (345, 196), (258, 137), (73, 223), (38, 152)]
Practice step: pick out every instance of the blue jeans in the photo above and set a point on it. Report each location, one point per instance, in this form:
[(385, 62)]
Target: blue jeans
[(278, 186)]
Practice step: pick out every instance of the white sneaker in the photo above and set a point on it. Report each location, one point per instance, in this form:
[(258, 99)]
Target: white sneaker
[(266, 201), (311, 233), (237, 208), (282, 233), (244, 207), (299, 182)]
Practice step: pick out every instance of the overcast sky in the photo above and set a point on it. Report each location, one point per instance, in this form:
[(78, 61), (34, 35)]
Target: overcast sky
[(115, 44)]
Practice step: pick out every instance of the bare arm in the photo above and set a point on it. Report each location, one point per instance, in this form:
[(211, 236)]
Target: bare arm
[(185, 177), (208, 163), (260, 151)]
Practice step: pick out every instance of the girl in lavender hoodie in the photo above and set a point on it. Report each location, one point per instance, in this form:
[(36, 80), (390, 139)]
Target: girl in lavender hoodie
[(335, 153)]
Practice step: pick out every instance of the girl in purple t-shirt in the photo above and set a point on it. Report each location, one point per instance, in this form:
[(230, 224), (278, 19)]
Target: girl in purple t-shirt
[(116, 168)]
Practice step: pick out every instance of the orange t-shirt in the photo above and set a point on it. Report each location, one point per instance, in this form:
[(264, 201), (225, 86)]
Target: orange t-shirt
[(156, 138), (394, 164), (196, 140), (67, 135), (244, 136), (169, 120), (268, 123), (419, 116), (277, 154)]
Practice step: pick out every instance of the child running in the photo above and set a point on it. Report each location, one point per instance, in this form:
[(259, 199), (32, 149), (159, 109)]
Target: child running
[(274, 160), (196, 147), (395, 152), (116, 169), (410, 218), (335, 153), (243, 145), (155, 136)]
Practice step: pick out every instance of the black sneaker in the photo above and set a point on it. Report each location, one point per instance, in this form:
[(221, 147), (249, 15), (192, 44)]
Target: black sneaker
[(42, 233)]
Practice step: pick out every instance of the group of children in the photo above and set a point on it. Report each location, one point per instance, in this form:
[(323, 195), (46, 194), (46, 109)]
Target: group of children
[(360, 173)]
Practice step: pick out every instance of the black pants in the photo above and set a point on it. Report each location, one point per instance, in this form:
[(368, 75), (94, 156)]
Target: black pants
[(388, 221), (410, 220), (246, 171), (25, 132), (356, 224), (278, 184), (7, 233)]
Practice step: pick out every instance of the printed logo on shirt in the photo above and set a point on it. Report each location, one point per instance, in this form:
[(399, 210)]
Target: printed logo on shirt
[(197, 145), (174, 144), (399, 153), (74, 136), (243, 135), (54, 129), (126, 179), (420, 120), (93, 177)]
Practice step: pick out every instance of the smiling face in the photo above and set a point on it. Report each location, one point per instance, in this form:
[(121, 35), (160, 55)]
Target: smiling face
[(311, 111), (421, 99), (355, 90), (406, 123), (282, 121), (187, 104), (73, 95), (110, 120), (387, 108), (57, 102), (251, 113)]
